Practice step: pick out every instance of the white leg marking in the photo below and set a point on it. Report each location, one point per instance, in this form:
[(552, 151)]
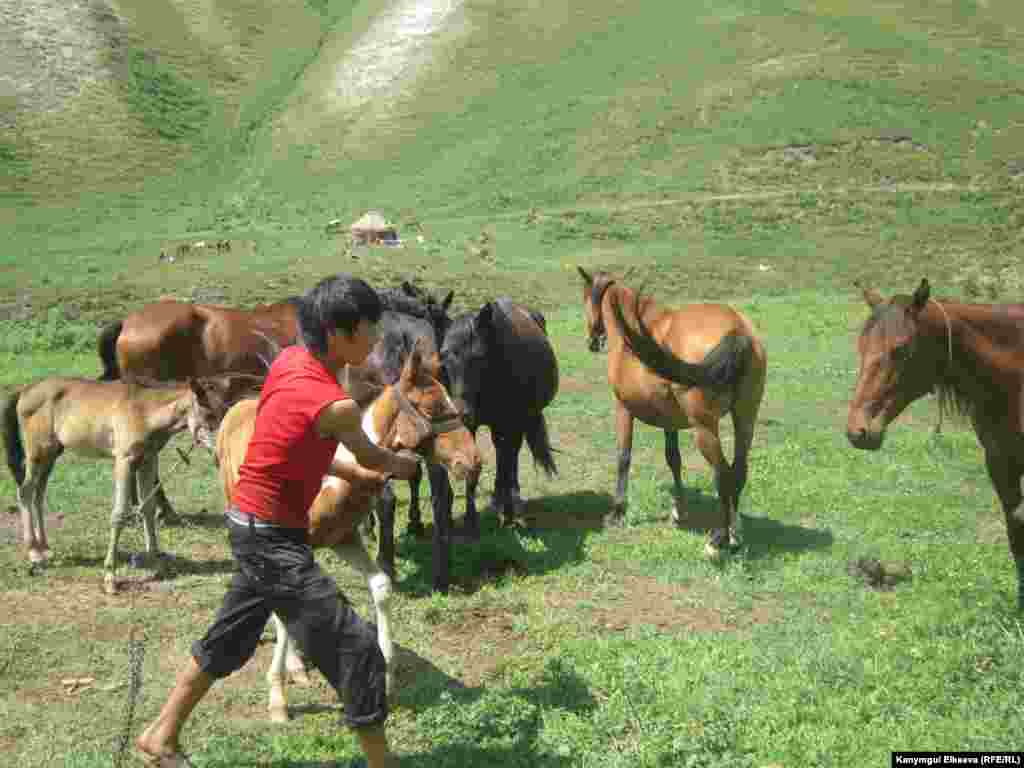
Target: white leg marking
[(276, 676)]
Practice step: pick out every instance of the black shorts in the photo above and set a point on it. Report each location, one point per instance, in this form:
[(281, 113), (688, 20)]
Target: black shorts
[(277, 574)]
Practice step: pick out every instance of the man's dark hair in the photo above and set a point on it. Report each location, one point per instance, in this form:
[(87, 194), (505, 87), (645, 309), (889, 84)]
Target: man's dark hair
[(336, 303)]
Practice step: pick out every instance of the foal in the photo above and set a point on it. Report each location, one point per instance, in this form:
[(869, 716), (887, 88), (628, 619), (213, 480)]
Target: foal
[(679, 369), (414, 413), (129, 423)]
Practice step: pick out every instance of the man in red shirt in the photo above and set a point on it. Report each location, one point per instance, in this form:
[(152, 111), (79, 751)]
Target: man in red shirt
[(303, 414)]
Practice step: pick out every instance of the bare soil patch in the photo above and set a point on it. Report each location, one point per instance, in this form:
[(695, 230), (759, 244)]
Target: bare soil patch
[(481, 639), (672, 608)]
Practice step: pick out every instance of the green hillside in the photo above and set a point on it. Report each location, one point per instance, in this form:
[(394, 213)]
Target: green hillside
[(835, 133)]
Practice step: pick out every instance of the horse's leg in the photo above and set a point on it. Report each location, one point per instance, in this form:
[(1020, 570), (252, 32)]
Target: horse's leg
[(415, 527), (276, 678), (145, 482), (41, 507), (745, 408), (675, 464), (471, 524), (710, 446), (624, 439), (354, 553), (165, 512), (386, 521), (124, 477), (441, 501), (506, 483), (28, 498), (1005, 472)]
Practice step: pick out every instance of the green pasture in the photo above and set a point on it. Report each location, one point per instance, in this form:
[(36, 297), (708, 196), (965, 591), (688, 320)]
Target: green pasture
[(766, 154)]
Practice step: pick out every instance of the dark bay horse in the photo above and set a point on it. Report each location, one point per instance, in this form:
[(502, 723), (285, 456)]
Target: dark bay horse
[(972, 355), (502, 371), (127, 422), (413, 413), (679, 369)]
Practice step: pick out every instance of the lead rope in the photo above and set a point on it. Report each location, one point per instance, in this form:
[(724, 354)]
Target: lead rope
[(137, 634)]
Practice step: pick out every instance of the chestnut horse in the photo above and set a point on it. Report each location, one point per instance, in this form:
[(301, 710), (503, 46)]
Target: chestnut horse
[(679, 369), (414, 413), (972, 355), (127, 422)]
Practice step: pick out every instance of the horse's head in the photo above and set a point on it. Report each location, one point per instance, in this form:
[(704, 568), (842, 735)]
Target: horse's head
[(594, 288), (898, 364), (426, 420), (436, 311), (212, 396), (464, 356)]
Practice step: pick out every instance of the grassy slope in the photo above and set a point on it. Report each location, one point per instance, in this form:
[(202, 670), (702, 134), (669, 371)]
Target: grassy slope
[(542, 136)]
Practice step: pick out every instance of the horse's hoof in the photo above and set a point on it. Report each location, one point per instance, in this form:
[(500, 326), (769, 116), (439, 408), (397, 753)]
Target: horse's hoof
[(676, 516), (37, 556), (614, 520), (278, 714)]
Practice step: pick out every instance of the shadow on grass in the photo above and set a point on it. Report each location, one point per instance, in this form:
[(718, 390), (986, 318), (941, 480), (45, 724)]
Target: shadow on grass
[(561, 522), (765, 537), (482, 727), (168, 565), (201, 519)]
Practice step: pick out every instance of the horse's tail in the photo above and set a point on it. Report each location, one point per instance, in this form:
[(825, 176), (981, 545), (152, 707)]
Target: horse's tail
[(108, 351), (719, 371), (13, 445), (540, 445)]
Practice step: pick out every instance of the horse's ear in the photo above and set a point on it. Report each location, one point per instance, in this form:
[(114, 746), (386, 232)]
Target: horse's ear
[(921, 295), (871, 296), (447, 300), (415, 361), (484, 320), (586, 276)]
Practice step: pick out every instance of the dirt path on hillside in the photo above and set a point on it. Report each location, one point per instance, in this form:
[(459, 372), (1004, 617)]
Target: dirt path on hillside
[(398, 43)]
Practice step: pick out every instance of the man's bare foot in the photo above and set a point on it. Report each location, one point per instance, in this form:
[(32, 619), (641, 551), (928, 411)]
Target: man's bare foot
[(157, 752)]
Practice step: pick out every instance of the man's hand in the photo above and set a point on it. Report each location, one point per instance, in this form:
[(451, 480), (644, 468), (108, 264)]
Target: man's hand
[(404, 465), (342, 421)]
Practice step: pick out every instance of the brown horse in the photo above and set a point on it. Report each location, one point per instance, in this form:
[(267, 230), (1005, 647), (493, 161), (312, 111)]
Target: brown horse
[(679, 369), (972, 355), (129, 423), (414, 413), (170, 340)]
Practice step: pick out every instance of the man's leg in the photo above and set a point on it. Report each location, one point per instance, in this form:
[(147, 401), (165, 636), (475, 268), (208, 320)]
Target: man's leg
[(162, 737), (227, 645), (345, 650)]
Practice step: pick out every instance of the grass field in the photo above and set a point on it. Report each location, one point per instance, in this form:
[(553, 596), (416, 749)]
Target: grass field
[(765, 154)]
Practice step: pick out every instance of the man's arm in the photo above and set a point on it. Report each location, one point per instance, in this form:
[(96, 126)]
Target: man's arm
[(342, 421)]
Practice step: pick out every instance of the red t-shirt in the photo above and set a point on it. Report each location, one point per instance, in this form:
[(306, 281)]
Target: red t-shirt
[(287, 458)]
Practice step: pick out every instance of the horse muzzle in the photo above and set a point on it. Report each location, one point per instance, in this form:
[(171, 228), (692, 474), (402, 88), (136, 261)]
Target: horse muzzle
[(866, 439)]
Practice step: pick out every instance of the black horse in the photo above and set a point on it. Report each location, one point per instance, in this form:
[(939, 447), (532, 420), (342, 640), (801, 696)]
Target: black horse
[(412, 317), (501, 369)]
